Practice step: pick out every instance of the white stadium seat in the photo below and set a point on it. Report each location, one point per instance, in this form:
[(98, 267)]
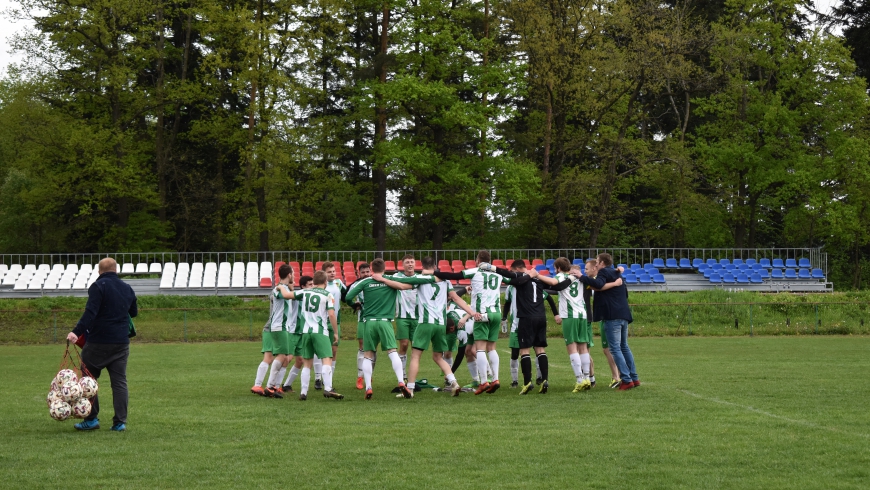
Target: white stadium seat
[(10, 278), (128, 268), (94, 275), (265, 270), (58, 267), (15, 267), (64, 284), (195, 280), (252, 275), (154, 268), (238, 279), (4, 268), (37, 280), (141, 268), (224, 275), (72, 267), (181, 275), (86, 268), (44, 267), (30, 267), (168, 276), (209, 275)]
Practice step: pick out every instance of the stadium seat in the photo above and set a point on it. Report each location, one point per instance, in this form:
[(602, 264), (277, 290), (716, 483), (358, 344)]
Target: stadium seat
[(44, 267), (791, 264), (630, 278), (128, 268), (644, 279), (817, 274), (751, 262), (350, 278), (540, 267), (717, 267), (776, 274), (715, 278), (224, 275), (265, 282), (549, 263), (168, 276), (709, 271), (196, 272), (624, 267), (347, 264), (790, 274), (418, 265), (30, 267), (724, 262), (537, 262), (742, 278), (318, 265), (552, 270), (728, 278), (389, 265), (658, 279), (648, 266), (672, 264), (237, 280), (577, 262), (4, 268), (58, 267), (469, 264), (651, 270), (755, 278), (141, 268), (444, 264), (544, 272), (777, 264), (457, 263), (209, 275), (804, 274), (308, 264), (764, 263), (252, 275), (64, 284), (703, 267), (695, 262), (730, 267), (182, 273), (10, 278), (155, 268), (636, 268), (658, 263), (711, 262), (744, 268), (528, 264), (16, 268), (737, 262), (804, 263), (459, 269)]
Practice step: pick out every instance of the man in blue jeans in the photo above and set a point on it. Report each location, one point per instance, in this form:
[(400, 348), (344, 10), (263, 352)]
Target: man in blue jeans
[(106, 321), (611, 308)]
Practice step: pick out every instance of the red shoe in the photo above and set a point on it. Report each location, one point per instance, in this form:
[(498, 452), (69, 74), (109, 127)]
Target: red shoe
[(360, 384), (368, 394), (258, 390), (480, 389), (278, 390), (405, 391), (636, 383), (493, 387), (626, 386)]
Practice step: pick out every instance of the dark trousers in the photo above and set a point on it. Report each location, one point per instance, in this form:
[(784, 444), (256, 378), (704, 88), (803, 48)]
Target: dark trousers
[(112, 358)]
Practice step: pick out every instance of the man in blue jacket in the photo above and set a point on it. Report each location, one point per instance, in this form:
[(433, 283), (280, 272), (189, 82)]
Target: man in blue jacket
[(611, 308), (106, 321)]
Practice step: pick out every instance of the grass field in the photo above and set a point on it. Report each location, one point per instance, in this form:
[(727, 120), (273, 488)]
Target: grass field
[(736, 412)]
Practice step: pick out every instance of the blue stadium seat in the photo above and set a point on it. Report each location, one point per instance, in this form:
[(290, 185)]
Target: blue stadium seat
[(764, 263), (790, 274), (742, 278), (540, 267), (744, 267), (804, 263), (658, 278), (636, 268), (552, 270), (630, 278), (715, 278), (730, 267), (644, 279), (623, 266), (776, 274), (672, 264), (818, 274), (549, 262), (702, 268), (777, 264), (737, 262), (751, 262), (685, 264), (724, 261), (791, 263), (728, 279), (657, 262), (763, 273), (648, 265), (712, 261), (651, 270), (709, 271), (757, 267), (695, 262), (717, 267), (756, 278), (804, 274), (577, 262)]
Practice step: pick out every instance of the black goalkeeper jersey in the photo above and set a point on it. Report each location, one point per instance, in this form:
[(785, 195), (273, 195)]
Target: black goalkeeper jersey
[(530, 293)]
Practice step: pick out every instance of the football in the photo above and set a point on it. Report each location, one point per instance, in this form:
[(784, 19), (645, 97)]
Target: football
[(71, 391), (89, 387), (65, 375), (81, 408), (55, 386), (52, 397), (59, 410)]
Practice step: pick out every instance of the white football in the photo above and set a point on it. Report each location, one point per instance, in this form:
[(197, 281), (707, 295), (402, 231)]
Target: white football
[(81, 408), (71, 391), (55, 386), (89, 387), (52, 397), (65, 375), (59, 410)]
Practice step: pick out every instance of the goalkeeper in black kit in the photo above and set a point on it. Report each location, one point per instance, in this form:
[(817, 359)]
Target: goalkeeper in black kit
[(532, 327)]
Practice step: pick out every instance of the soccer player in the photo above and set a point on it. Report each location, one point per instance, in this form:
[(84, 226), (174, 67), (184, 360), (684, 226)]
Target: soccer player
[(463, 323), (432, 308), (591, 271), (338, 290), (510, 305), (406, 313), (532, 326), (575, 329), (363, 271), (276, 341), (305, 282), (485, 299), (380, 307)]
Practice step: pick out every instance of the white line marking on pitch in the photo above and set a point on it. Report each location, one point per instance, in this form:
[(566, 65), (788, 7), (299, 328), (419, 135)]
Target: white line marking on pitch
[(771, 415)]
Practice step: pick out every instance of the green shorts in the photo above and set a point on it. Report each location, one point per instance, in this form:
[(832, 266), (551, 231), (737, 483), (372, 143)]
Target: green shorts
[(430, 332), (450, 338), (488, 329), (379, 332), (576, 331), (514, 343), (278, 343), (267, 342), (315, 344), (603, 338), (360, 330), (405, 328), (295, 344), (332, 336)]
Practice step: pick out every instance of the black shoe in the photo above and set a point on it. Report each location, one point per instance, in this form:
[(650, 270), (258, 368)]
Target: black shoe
[(544, 387), (396, 390), (273, 393), (303, 397), (287, 389), (591, 380), (318, 384), (538, 381), (332, 394), (515, 385)]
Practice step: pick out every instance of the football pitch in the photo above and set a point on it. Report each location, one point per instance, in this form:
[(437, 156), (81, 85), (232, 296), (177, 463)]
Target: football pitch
[(739, 412)]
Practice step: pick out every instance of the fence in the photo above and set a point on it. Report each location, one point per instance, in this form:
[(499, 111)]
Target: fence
[(671, 319), (817, 258)]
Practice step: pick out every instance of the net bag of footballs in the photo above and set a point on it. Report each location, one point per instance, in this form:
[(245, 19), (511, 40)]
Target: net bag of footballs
[(71, 389)]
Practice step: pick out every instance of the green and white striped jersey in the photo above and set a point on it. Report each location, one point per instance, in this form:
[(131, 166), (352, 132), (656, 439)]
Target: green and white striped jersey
[(406, 301), (456, 313), (432, 301), (485, 290), (315, 304), (510, 294), (279, 311), (380, 299), (336, 288), (571, 303)]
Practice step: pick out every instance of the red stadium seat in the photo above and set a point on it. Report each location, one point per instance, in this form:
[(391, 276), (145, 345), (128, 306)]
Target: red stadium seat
[(360, 262), (465, 282), (544, 272), (265, 282), (418, 265), (528, 264), (498, 263), (443, 264), (277, 266), (349, 279), (456, 263), (389, 265), (469, 264), (296, 267), (458, 269), (346, 264), (537, 262), (308, 264), (319, 265)]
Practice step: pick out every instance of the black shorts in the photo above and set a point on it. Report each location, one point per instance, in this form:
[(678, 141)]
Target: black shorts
[(532, 332)]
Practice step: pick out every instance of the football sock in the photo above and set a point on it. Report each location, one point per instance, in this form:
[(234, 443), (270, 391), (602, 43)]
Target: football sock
[(515, 353), (294, 373), (449, 359), (584, 362), (281, 374), (575, 365), (472, 369), (526, 364), (411, 385), (538, 367), (261, 373), (515, 370), (458, 361), (318, 367), (273, 374), (542, 361), (359, 360), (451, 378), (404, 360), (367, 372), (327, 378), (397, 366), (306, 378), (482, 366), (493, 363)]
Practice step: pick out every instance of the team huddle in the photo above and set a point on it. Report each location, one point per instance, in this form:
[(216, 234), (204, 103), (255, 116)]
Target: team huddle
[(304, 326)]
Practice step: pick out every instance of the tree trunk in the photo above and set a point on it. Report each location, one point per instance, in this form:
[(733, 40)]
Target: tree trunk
[(379, 174), (160, 150)]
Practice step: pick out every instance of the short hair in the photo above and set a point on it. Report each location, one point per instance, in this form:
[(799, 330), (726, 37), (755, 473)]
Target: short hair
[(484, 256), (326, 265), (407, 256), (364, 265), (575, 266), (516, 264), (605, 259), (284, 271), (319, 278), (594, 261), (428, 262), (304, 280), (378, 265), (450, 323), (562, 264)]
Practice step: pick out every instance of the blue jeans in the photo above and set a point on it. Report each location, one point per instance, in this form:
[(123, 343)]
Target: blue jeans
[(616, 332)]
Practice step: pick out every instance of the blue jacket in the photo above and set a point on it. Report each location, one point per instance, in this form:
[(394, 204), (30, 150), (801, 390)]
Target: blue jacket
[(111, 304), (611, 304)]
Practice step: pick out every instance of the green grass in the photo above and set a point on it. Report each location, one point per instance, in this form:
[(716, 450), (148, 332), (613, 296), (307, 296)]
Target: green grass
[(739, 412)]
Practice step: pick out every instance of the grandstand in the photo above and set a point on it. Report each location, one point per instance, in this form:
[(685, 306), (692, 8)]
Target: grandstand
[(253, 273)]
